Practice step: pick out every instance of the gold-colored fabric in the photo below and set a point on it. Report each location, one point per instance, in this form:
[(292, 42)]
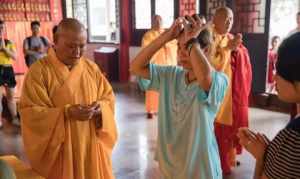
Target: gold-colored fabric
[(59, 147), (221, 59), (167, 55)]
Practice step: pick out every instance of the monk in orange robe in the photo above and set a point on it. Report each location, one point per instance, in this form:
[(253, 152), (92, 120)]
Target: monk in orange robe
[(222, 47), (165, 56), (67, 111)]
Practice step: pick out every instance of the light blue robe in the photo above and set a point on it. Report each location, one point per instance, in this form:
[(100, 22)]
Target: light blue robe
[(187, 147)]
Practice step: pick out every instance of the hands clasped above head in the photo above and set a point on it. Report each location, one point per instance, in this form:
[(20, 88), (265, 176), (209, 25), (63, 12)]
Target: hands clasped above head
[(189, 26)]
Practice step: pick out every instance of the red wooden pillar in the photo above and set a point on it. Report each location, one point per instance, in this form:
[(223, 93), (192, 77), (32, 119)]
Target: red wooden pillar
[(125, 9)]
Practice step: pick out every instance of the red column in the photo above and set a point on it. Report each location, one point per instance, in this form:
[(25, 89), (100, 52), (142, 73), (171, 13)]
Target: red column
[(125, 11)]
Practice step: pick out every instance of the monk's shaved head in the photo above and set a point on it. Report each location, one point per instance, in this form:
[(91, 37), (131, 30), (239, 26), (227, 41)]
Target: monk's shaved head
[(221, 11), (69, 25), (70, 41), (223, 20), (156, 22)]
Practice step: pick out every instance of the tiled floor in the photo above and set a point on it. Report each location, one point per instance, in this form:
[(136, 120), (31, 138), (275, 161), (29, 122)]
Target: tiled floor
[(134, 152)]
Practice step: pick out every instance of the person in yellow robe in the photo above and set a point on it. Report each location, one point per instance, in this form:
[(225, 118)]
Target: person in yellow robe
[(222, 47), (167, 55), (67, 111)]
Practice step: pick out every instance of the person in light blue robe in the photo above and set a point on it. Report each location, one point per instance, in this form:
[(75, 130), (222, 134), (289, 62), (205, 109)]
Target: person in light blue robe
[(190, 96)]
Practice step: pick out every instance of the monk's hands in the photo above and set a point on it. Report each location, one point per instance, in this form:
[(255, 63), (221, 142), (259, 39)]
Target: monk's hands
[(96, 109), (84, 112), (235, 42), (254, 143), (97, 116)]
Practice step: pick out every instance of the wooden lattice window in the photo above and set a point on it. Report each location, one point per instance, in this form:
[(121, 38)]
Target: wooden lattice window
[(187, 7), (212, 6), (249, 16)]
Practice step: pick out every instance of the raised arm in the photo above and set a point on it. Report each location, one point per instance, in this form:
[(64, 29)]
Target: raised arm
[(201, 67), (200, 64), (140, 65)]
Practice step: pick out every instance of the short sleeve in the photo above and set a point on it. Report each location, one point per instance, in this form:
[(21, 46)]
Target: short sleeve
[(217, 90), (157, 74), (282, 159)]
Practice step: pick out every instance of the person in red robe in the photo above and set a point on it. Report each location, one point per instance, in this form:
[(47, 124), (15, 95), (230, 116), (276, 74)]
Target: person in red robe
[(272, 58), (241, 87)]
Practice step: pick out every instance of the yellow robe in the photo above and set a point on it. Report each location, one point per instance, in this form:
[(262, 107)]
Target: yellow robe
[(221, 61), (167, 55), (57, 146)]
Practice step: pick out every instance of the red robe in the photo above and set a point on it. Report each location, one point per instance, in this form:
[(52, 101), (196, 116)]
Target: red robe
[(241, 87), (272, 58), (226, 135)]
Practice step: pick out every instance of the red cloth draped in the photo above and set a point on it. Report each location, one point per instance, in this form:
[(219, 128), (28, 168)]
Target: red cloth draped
[(224, 135), (241, 87), (272, 58)]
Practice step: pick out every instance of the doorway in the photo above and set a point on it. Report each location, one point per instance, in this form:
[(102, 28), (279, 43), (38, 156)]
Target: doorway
[(282, 22)]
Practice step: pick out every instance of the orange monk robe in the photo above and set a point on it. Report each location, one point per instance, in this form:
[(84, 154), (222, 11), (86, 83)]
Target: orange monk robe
[(167, 55), (221, 61), (59, 147)]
